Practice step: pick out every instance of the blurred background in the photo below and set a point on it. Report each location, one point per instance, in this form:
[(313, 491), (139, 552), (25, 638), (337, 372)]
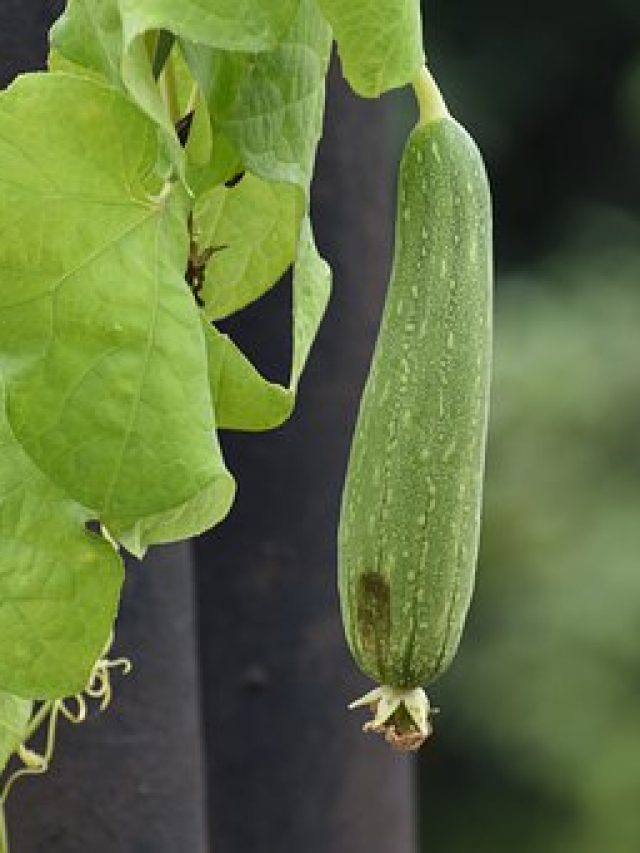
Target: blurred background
[(538, 743)]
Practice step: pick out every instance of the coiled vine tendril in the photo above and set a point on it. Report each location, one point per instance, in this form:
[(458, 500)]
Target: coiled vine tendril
[(74, 709)]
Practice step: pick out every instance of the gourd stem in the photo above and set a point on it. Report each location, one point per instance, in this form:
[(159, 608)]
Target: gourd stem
[(430, 101)]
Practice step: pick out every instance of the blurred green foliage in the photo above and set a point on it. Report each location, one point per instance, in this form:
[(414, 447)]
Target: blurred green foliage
[(538, 745), (537, 748)]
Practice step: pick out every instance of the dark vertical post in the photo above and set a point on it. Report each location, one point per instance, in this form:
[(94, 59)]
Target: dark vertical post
[(131, 781), (289, 769)]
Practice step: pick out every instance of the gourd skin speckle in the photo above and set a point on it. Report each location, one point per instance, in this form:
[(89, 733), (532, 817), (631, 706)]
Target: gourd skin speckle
[(410, 517)]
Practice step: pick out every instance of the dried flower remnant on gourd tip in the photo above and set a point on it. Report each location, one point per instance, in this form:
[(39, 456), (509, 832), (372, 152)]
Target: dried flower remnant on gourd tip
[(402, 716)]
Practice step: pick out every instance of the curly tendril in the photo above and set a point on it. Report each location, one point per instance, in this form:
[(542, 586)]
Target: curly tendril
[(74, 709)]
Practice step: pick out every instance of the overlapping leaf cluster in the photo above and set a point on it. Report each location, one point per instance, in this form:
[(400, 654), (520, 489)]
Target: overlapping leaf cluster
[(165, 133)]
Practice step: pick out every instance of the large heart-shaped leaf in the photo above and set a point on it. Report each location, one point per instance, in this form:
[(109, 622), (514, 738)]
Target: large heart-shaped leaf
[(100, 338)]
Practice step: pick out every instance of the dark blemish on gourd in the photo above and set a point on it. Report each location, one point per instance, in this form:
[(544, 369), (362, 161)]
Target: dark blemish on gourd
[(373, 615)]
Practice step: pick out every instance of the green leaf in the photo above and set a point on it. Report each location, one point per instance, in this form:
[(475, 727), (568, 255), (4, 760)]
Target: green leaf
[(199, 150), (267, 105), (100, 338), (58, 62), (379, 42), (254, 227), (222, 71), (242, 397), (222, 163), (236, 25), (89, 34), (138, 79), (14, 719), (92, 35), (59, 584), (311, 290), (270, 105), (245, 25), (206, 508), (245, 400)]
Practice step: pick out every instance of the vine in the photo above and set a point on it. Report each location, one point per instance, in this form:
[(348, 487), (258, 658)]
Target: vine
[(154, 180)]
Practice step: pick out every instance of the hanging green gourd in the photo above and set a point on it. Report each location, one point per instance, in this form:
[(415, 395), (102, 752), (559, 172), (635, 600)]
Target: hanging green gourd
[(410, 515)]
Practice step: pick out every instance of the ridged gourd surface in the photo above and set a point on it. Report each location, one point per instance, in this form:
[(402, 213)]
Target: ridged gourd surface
[(410, 516)]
